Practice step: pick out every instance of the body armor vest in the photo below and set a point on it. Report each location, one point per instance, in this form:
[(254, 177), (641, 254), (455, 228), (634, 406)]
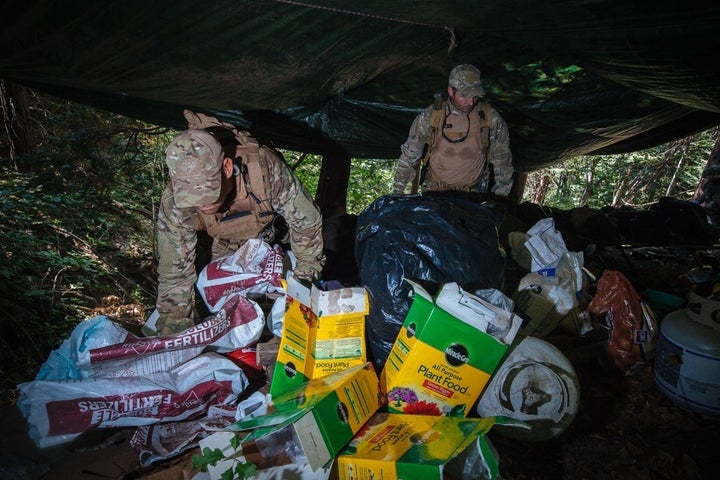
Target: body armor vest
[(458, 146), (251, 211)]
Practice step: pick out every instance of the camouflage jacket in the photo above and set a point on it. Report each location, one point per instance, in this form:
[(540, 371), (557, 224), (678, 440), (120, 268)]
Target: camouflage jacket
[(499, 152), (177, 241)]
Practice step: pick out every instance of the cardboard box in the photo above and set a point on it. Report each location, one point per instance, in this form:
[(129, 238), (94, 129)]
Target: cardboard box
[(445, 353), (309, 425), (395, 446), (323, 333), (223, 442)]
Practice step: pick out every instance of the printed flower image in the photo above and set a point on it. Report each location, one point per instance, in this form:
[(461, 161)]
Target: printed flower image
[(402, 394), (422, 408), (308, 315)]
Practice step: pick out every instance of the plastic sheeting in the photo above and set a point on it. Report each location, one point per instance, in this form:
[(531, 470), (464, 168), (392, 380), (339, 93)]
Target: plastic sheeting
[(438, 239), (570, 77)]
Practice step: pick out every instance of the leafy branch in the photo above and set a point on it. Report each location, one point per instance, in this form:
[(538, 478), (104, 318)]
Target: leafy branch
[(210, 457)]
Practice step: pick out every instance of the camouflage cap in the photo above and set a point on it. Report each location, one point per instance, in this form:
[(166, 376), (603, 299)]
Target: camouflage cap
[(194, 159), (466, 79)]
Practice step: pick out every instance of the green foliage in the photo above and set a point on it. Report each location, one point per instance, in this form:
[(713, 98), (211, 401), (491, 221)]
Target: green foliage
[(39, 267), (306, 167), (634, 179), (76, 225), (210, 457), (370, 179)]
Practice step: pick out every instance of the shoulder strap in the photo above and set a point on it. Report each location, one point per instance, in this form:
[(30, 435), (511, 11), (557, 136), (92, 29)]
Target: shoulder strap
[(436, 118), (485, 114), (255, 173), (437, 115)]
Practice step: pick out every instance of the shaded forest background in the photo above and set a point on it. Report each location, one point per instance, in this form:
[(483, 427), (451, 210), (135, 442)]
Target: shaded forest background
[(78, 201)]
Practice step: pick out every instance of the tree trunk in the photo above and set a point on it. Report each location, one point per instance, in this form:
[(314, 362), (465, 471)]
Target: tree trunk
[(712, 165), (518, 190), (619, 193), (16, 121), (683, 154), (587, 193), (540, 190), (332, 188)]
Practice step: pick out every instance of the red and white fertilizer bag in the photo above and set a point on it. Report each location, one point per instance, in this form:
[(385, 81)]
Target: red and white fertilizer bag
[(105, 376), (237, 324), (162, 441), (253, 270), (60, 410)]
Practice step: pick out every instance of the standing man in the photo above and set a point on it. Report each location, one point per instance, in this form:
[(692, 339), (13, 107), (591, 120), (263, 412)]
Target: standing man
[(463, 140), (224, 182)]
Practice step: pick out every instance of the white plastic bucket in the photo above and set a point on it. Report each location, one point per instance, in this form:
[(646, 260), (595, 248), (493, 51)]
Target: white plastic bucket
[(687, 357)]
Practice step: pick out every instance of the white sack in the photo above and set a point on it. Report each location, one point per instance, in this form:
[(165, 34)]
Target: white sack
[(58, 411)]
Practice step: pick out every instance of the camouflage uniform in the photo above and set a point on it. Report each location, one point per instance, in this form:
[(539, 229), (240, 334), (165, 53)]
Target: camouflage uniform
[(195, 182), (457, 165)]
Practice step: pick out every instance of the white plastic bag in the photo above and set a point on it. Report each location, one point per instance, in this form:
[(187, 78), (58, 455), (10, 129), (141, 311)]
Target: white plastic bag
[(546, 245), (561, 285)]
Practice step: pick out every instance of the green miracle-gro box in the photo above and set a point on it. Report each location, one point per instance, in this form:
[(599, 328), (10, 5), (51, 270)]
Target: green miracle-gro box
[(445, 352), (321, 415)]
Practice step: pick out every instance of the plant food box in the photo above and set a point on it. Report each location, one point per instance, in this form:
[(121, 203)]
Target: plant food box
[(394, 446), (323, 333), (445, 353), (309, 424)]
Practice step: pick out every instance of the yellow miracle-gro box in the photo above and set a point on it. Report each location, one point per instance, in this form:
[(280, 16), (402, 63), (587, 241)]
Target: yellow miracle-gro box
[(445, 352), (422, 447), (323, 333)]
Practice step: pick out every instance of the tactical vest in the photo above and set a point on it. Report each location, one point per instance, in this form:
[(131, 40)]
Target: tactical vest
[(251, 211), (468, 147)]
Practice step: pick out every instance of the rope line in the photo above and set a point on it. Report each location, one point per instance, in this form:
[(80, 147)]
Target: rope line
[(359, 14)]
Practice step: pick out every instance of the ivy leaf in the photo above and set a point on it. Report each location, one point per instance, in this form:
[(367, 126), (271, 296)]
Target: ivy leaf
[(208, 457), (245, 470)]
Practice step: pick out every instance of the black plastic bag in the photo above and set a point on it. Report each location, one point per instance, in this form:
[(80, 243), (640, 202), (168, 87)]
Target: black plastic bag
[(437, 238)]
